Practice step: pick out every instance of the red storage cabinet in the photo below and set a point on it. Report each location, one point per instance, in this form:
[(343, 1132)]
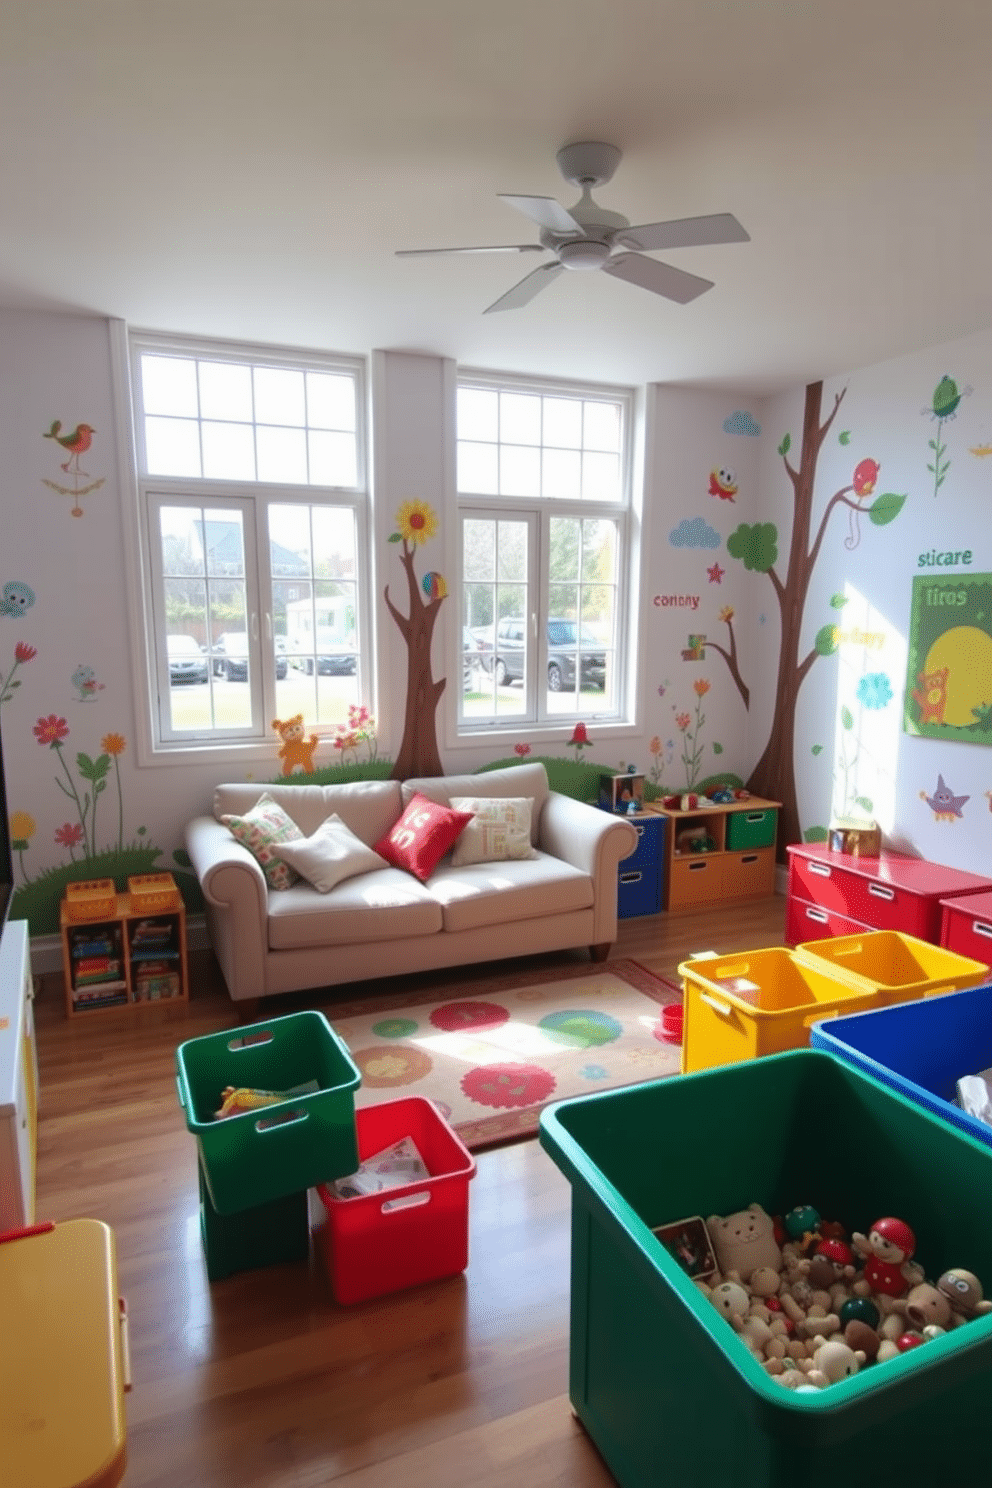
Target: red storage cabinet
[(966, 925), (833, 893)]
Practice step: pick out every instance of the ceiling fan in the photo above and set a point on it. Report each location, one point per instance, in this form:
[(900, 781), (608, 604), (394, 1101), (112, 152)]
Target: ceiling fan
[(587, 236)]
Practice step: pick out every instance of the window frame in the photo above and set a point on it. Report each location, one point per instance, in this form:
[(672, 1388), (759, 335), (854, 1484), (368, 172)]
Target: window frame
[(539, 511), (158, 741)]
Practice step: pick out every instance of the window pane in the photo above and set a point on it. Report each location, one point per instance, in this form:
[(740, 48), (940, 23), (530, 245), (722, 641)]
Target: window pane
[(601, 477), (519, 418), (330, 401), (478, 471), (172, 446), (333, 459), (168, 385), (601, 426), (599, 551), (512, 551), (279, 396), (228, 452), (563, 559), (223, 537), (282, 455), (181, 535), (477, 414), (334, 542), (519, 471), (563, 422), (225, 391), (561, 474), (478, 552)]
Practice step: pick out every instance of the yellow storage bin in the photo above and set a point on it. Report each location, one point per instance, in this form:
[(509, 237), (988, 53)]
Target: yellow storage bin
[(893, 966), (91, 899), (153, 893), (757, 1002)]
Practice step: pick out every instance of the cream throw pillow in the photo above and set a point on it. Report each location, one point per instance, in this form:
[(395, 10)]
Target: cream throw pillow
[(499, 829), (331, 855)]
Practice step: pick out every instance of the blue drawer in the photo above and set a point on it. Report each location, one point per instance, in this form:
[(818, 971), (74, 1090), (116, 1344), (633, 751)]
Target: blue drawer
[(650, 836), (638, 889)]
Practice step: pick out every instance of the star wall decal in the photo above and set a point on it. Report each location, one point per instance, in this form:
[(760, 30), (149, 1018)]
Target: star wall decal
[(716, 573)]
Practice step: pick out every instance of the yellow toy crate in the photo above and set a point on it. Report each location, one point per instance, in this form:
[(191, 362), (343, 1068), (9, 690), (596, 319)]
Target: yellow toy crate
[(91, 899), (152, 893), (757, 1002), (894, 966)]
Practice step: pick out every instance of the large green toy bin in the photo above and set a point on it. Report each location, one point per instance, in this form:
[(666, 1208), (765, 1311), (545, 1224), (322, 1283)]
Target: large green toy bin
[(894, 966), (283, 1148), (665, 1388)]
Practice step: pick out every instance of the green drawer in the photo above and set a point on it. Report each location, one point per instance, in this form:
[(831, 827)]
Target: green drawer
[(752, 828)]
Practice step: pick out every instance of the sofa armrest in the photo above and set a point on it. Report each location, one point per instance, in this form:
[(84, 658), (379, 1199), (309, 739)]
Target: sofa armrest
[(594, 841), (237, 906)]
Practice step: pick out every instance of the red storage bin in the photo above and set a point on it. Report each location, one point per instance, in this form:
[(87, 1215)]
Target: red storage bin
[(385, 1242), (966, 926)]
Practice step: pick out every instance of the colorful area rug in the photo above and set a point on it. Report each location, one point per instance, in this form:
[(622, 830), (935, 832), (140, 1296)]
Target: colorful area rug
[(492, 1058)]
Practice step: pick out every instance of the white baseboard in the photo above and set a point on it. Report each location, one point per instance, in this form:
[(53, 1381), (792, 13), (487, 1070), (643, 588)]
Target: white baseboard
[(46, 950)]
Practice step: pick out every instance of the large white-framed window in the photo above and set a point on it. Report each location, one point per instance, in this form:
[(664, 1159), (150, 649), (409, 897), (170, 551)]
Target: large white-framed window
[(253, 513), (543, 475)]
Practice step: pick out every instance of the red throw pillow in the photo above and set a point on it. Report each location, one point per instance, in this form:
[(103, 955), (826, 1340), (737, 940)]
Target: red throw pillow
[(422, 836)]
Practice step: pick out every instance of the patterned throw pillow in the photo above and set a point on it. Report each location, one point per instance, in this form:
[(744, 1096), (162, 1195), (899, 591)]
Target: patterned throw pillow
[(259, 830), (499, 829), (422, 836)]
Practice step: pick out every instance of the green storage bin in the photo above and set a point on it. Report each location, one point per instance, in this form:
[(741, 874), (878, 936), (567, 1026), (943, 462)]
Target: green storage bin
[(284, 1148), (751, 828), (271, 1234), (660, 1381)]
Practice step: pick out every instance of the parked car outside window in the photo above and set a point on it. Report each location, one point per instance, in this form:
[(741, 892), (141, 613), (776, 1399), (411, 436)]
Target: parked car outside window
[(564, 639), (187, 662), (230, 657)]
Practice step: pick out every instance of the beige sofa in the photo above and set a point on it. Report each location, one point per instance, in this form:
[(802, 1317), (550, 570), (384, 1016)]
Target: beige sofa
[(386, 922)]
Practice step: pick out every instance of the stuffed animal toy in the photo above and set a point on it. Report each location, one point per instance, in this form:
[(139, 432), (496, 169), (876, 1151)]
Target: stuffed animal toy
[(744, 1241)]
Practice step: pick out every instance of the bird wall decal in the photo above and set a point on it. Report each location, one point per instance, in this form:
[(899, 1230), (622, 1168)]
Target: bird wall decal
[(77, 443)]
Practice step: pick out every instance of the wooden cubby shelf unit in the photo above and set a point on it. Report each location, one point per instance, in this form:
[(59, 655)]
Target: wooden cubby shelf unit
[(737, 862), (128, 958)]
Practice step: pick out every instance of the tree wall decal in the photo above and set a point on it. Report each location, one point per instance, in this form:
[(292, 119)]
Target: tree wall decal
[(418, 754), (756, 546)]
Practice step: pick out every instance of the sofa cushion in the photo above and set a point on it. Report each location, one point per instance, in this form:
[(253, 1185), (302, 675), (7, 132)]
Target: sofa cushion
[(494, 893), (332, 854), (422, 836), (499, 829), (260, 830), (375, 907), (368, 807), (515, 780)]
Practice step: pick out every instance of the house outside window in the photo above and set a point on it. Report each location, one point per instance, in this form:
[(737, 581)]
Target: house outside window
[(543, 481), (254, 515)]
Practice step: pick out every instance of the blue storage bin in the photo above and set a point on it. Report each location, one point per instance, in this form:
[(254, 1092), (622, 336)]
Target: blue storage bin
[(920, 1048)]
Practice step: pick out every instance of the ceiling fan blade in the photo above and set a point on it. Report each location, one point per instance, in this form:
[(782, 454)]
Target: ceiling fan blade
[(545, 211), (685, 232), (494, 248), (523, 292), (659, 278)]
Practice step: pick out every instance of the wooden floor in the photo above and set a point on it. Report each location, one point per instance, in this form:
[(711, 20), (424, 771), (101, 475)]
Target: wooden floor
[(261, 1379)]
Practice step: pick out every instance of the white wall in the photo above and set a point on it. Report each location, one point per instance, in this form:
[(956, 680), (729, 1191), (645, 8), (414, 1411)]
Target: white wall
[(887, 413), (59, 367)]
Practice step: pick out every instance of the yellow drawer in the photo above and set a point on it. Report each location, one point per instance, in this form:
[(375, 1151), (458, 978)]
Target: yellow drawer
[(750, 874)]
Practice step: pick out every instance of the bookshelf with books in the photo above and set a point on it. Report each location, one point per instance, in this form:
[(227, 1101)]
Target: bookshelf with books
[(123, 950)]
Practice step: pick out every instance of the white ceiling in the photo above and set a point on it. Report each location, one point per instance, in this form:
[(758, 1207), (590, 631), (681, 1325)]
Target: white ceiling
[(246, 169)]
